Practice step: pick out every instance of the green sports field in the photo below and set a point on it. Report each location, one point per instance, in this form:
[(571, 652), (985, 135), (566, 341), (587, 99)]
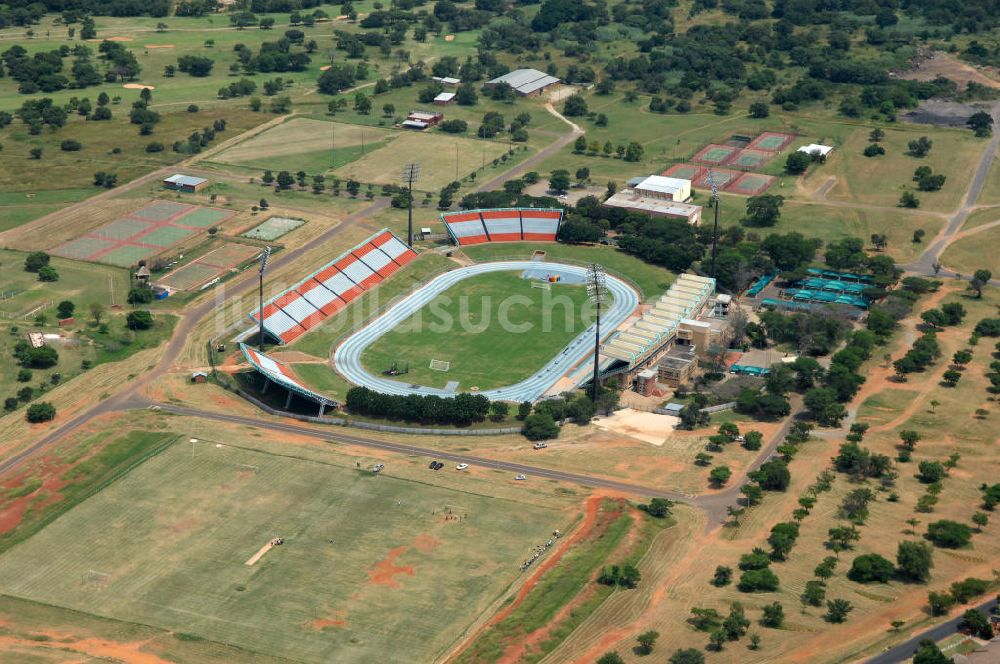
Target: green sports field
[(371, 566), (463, 326)]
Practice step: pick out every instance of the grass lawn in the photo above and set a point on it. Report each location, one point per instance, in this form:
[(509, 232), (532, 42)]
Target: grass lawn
[(980, 217), (82, 283), (991, 190), (651, 280), (969, 254), (370, 566), (465, 326)]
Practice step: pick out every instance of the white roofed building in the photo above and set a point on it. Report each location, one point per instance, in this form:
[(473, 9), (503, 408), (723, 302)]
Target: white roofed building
[(526, 82), (659, 196), (816, 150)]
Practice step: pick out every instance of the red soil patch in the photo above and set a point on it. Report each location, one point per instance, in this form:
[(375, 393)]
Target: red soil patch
[(323, 623), (51, 473), (425, 543), (184, 525), (384, 570), (95, 648)]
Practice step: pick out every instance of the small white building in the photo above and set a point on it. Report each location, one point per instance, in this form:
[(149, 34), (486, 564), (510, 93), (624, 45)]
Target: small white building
[(444, 99), (669, 189), (446, 80), (816, 150)]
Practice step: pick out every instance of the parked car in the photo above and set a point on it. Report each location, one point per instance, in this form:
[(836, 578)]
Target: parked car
[(461, 466), (540, 446), (520, 477), (436, 465), (378, 467)]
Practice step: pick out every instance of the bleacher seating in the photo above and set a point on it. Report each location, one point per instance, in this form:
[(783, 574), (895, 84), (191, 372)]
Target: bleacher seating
[(506, 225), (327, 291), (540, 225), (466, 228), (502, 225)]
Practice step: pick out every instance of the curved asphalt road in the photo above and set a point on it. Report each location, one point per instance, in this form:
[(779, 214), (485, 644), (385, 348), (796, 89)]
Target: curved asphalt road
[(905, 650), (347, 357)]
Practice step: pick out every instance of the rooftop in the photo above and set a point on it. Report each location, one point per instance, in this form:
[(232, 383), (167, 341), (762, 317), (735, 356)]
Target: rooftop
[(445, 96), (525, 81), (447, 80), (188, 180), (816, 148), (662, 184), (634, 201)]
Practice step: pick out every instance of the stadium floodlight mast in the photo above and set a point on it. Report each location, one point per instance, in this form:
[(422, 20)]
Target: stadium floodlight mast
[(715, 228), (260, 312), (410, 174), (597, 291)]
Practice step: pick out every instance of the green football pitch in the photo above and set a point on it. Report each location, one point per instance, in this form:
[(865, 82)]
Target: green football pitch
[(493, 329), (372, 566)]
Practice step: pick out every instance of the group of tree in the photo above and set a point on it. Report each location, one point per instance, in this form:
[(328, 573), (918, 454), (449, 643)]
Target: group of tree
[(460, 410)]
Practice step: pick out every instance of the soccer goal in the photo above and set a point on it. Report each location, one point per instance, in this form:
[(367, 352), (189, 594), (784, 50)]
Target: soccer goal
[(440, 365), (544, 285)]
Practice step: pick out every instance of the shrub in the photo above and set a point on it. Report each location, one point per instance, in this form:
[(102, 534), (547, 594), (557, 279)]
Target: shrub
[(914, 561), (154, 147), (540, 426), (35, 261), (949, 534), (758, 580), (69, 145), (139, 320), (870, 567), (48, 273)]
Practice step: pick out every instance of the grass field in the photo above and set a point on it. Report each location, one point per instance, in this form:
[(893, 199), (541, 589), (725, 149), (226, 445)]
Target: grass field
[(651, 280), (82, 283), (371, 565), (966, 255), (465, 326)]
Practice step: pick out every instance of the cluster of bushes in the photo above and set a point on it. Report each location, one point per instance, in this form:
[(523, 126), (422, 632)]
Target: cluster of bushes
[(960, 592), (924, 352), (543, 421), (720, 630), (460, 410), (625, 576)]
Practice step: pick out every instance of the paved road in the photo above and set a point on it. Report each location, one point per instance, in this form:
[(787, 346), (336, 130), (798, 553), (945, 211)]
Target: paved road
[(905, 650), (347, 357)]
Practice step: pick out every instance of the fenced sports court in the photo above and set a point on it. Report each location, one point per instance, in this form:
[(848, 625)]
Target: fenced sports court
[(273, 228), (771, 141), (750, 184), (206, 268), (142, 233), (714, 154), (722, 177), (684, 172), (750, 159)]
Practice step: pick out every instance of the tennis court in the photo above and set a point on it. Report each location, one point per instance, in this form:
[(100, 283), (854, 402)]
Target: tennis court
[(213, 264), (721, 176), (750, 159), (750, 184), (772, 141), (162, 210), (714, 154), (273, 228), (142, 233), (684, 171)]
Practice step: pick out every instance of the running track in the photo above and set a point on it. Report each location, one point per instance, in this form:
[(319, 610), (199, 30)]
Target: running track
[(347, 357)]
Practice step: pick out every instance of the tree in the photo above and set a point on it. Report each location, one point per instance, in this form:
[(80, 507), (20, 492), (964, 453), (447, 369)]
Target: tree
[(870, 567), (716, 640), (759, 110), (466, 95), (580, 144), (797, 163), (826, 567), (719, 476), (979, 280), (582, 174), (774, 615), (837, 610), (981, 123), (687, 656), (949, 534), (754, 641), (559, 181), (880, 241), (523, 410), (920, 147), (772, 475), (48, 273), (139, 320), (914, 561), (909, 200), (723, 576), (840, 538), (753, 440), (931, 471), (758, 580), (362, 103), (658, 508), (65, 309), (976, 622), (824, 407), (540, 426), (285, 180), (575, 106), (353, 187), (929, 653), (940, 602), (611, 657), (763, 210), (96, 312), (873, 150), (634, 151), (646, 641), (909, 438), (736, 623), (814, 593), (35, 261), (42, 411), (981, 519)]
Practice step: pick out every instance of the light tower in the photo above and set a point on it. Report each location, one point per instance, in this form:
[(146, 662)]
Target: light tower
[(410, 174), (597, 290), (260, 312), (715, 228)]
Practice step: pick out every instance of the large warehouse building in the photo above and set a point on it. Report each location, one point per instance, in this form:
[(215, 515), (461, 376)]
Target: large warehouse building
[(526, 82)]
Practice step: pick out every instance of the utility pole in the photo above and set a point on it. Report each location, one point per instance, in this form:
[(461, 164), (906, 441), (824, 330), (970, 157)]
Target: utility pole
[(715, 228), (597, 290), (260, 312), (410, 174)]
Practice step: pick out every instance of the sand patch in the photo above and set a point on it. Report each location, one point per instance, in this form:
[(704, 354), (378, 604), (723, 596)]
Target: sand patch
[(425, 543), (113, 39), (324, 67), (138, 86), (647, 427), (159, 46), (260, 553), (384, 570), (449, 37)]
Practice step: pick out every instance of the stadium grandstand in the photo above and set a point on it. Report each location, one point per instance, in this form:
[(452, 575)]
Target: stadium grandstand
[(502, 225), (650, 334), (278, 373), (330, 289)]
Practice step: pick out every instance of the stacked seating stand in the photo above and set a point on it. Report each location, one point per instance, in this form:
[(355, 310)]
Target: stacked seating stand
[(471, 227), (329, 290)]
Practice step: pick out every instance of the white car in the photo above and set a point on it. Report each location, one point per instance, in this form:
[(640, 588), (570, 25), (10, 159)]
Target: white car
[(378, 467), (461, 466), (540, 446), (520, 477)]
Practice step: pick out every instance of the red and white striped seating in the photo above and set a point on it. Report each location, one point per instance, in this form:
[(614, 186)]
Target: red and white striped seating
[(508, 225), (466, 227), (502, 225), (540, 224)]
